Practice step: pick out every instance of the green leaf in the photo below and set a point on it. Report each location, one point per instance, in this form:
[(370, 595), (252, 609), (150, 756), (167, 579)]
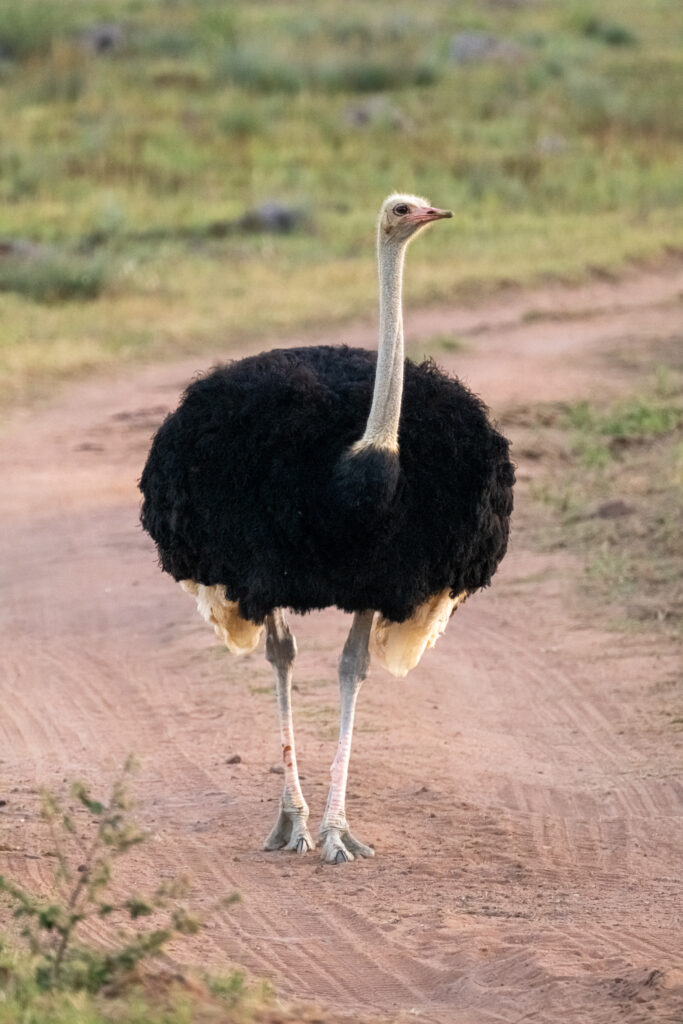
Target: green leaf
[(184, 922), (138, 907), (82, 794), (51, 917)]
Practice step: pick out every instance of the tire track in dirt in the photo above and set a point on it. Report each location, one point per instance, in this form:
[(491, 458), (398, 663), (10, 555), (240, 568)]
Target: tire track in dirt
[(523, 795)]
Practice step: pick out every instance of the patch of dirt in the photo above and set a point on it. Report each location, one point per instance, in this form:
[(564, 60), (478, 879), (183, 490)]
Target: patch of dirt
[(522, 787)]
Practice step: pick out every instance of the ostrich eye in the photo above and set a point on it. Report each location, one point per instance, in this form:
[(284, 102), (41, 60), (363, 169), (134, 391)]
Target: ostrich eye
[(401, 209)]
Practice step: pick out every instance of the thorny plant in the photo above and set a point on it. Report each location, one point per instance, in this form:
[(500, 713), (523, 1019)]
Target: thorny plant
[(51, 928)]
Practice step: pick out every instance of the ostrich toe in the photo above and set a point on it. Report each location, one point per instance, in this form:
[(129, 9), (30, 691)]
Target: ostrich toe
[(290, 832), (340, 846)]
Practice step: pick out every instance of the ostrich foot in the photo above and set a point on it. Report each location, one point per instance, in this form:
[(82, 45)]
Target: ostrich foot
[(340, 846), (290, 832)]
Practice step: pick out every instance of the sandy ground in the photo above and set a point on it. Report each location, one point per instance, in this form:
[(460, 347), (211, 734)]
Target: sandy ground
[(522, 787)]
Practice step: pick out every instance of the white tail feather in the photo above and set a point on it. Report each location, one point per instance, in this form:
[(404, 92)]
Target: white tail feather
[(239, 635), (398, 646)]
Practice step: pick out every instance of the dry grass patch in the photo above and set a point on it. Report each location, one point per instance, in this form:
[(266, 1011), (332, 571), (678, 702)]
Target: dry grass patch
[(610, 480)]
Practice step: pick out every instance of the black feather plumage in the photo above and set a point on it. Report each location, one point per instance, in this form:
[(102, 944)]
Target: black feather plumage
[(249, 484)]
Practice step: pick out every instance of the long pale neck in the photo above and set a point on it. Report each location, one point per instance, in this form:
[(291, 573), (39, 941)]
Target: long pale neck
[(381, 430)]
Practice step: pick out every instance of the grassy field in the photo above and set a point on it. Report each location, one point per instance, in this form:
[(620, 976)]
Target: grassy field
[(553, 133)]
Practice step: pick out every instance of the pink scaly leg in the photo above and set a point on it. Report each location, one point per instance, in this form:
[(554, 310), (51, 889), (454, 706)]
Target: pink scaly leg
[(338, 843), (290, 830)]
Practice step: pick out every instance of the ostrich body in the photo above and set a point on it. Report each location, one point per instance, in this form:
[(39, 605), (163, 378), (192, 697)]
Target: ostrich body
[(309, 477)]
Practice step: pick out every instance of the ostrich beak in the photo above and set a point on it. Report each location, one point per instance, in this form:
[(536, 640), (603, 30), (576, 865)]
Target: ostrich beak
[(428, 215)]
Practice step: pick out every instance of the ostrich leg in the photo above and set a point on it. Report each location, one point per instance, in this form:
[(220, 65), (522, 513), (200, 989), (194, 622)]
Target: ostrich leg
[(338, 843), (290, 830)]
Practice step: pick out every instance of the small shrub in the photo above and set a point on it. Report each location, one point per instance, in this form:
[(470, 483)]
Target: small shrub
[(241, 122), (374, 75), (54, 277), (29, 27), (50, 926), (260, 71), (608, 32)]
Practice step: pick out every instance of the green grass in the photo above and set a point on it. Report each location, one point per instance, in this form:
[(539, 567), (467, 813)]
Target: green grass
[(600, 434), (638, 418), (434, 345), (555, 163)]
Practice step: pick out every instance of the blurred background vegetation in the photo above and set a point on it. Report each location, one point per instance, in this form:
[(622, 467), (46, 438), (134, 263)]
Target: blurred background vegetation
[(175, 173)]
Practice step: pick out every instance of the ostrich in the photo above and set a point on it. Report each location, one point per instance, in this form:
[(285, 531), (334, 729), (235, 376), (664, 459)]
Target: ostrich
[(310, 477)]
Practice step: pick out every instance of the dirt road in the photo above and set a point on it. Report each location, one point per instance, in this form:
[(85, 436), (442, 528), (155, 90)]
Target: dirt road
[(522, 787)]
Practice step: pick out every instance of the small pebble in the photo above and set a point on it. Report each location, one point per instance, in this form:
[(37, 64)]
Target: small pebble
[(235, 759)]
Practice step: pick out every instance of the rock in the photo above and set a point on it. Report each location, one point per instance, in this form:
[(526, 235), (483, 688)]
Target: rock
[(614, 509), (235, 759), (477, 47), (276, 769), (376, 110), (22, 249), (548, 145), (271, 216), (106, 37)]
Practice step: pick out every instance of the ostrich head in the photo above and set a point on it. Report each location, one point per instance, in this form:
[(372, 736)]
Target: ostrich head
[(402, 216)]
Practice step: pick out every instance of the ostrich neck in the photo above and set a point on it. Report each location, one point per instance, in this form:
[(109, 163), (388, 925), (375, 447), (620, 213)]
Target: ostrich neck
[(381, 430)]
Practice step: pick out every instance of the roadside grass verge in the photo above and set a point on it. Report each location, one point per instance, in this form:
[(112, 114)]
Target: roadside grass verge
[(131, 149), (611, 483)]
